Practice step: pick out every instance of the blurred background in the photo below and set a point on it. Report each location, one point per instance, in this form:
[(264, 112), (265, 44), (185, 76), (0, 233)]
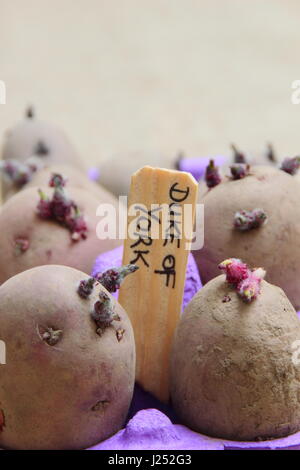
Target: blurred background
[(165, 75)]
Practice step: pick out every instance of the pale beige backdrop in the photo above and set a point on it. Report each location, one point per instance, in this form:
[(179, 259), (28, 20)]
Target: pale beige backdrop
[(123, 75)]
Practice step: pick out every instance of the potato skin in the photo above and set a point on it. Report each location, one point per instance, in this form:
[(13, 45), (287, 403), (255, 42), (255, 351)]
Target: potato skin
[(232, 374), (116, 171), (276, 245), (21, 142), (75, 178), (49, 242), (47, 392)]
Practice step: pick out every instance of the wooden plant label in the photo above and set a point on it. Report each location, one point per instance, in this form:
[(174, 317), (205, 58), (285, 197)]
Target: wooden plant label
[(161, 210)]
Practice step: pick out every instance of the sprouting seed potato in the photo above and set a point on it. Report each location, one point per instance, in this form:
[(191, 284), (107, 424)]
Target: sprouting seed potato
[(64, 386), (27, 240), (275, 242), (232, 371)]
